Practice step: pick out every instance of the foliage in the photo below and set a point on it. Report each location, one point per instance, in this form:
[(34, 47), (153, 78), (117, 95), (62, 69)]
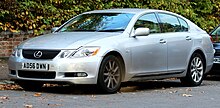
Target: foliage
[(40, 15)]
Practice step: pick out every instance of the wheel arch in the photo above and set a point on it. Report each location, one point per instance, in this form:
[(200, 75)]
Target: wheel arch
[(188, 80), (118, 55), (203, 56)]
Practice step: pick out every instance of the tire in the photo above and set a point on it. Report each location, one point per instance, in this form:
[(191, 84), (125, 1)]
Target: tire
[(30, 85), (195, 71), (110, 75)]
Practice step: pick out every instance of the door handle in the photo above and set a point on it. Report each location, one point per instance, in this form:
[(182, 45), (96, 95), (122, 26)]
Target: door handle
[(162, 41), (188, 38)]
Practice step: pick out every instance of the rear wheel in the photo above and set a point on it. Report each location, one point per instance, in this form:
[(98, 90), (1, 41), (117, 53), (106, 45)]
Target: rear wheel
[(109, 78), (195, 71), (30, 85)]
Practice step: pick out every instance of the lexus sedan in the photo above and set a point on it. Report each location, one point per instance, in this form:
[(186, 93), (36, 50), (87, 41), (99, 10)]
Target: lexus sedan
[(215, 34), (108, 47)]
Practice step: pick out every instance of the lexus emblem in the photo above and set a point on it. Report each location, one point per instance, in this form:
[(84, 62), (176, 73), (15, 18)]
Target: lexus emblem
[(38, 54)]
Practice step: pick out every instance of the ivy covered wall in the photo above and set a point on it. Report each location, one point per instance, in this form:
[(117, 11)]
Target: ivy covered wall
[(41, 15)]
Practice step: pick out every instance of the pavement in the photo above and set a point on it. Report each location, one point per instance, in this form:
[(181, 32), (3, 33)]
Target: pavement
[(4, 71)]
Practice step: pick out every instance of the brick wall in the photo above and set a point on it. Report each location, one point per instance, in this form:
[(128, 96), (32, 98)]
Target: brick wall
[(9, 40)]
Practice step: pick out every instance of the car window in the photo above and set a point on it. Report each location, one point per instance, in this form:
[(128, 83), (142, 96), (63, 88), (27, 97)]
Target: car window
[(184, 25), (148, 21), (169, 23), (98, 22), (216, 34)]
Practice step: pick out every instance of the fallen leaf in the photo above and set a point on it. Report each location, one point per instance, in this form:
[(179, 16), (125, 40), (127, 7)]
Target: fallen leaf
[(28, 106), (202, 91), (4, 98), (9, 87), (53, 105), (93, 96), (37, 94), (187, 95), (188, 89), (175, 91)]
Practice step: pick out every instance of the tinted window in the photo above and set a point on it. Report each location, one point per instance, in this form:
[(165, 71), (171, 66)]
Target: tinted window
[(216, 34), (169, 23), (98, 22), (184, 25), (148, 21)]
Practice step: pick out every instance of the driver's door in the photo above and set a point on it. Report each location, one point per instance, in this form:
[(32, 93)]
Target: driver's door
[(148, 53)]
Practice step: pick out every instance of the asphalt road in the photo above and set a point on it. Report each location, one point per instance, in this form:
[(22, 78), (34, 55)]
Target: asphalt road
[(147, 94)]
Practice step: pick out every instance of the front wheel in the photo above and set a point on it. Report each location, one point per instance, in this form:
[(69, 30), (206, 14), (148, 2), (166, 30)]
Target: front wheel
[(195, 71), (109, 78)]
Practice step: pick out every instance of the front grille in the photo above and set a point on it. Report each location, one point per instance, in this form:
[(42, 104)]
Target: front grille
[(46, 54), (217, 52), (37, 74)]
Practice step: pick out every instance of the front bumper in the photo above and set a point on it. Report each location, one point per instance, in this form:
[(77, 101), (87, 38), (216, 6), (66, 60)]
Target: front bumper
[(63, 70)]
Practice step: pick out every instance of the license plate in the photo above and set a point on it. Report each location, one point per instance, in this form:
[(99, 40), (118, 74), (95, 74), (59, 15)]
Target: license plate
[(35, 66), (216, 60)]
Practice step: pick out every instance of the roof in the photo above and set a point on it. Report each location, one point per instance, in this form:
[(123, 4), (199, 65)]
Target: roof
[(121, 10), (129, 10)]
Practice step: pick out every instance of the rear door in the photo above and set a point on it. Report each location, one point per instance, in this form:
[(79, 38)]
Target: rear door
[(179, 41)]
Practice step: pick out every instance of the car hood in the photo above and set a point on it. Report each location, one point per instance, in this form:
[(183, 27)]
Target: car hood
[(64, 40)]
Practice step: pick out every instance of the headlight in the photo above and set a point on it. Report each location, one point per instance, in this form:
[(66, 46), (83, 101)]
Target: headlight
[(67, 53), (16, 52), (82, 52), (86, 52)]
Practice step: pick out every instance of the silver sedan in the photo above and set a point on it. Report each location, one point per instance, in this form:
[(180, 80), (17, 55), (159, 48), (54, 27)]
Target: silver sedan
[(107, 47)]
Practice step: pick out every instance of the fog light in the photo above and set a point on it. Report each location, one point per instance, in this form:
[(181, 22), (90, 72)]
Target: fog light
[(81, 74), (76, 74)]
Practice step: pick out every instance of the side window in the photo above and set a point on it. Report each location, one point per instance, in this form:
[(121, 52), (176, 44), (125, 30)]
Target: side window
[(184, 25), (216, 32), (148, 21), (169, 23)]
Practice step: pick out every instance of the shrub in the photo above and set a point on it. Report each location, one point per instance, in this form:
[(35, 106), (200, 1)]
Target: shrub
[(41, 15)]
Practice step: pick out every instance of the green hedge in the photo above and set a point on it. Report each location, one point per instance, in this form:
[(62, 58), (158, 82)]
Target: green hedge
[(41, 15)]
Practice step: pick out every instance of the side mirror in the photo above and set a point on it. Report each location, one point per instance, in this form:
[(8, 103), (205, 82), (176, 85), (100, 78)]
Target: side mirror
[(141, 32), (54, 29)]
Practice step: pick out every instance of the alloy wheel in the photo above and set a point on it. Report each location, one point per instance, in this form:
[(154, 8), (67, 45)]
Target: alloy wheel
[(196, 69), (112, 74)]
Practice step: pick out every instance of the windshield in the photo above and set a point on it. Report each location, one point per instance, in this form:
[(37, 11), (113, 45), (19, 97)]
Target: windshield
[(101, 22)]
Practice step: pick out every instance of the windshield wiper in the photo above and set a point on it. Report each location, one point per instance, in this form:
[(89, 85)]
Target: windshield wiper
[(111, 30)]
